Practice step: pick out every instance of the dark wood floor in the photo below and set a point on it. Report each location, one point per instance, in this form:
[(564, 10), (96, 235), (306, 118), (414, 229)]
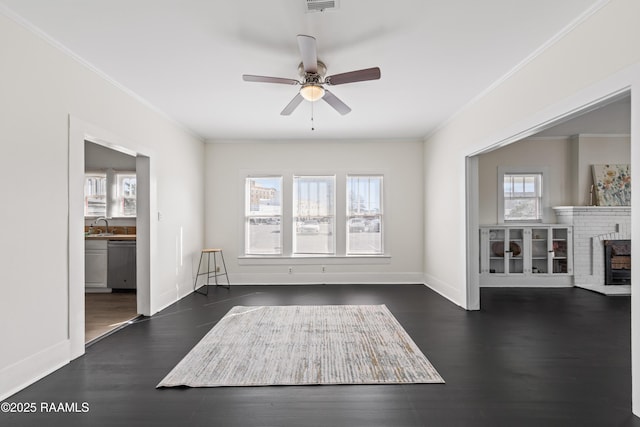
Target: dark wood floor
[(530, 357)]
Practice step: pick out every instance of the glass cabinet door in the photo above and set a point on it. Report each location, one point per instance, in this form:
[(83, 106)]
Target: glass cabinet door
[(530, 255), (514, 251), (560, 247), (540, 250), (506, 251), (497, 237)]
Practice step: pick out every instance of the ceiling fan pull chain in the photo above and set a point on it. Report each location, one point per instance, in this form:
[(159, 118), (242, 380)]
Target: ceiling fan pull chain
[(312, 127)]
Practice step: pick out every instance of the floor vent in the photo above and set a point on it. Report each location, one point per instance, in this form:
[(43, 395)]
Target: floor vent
[(321, 5)]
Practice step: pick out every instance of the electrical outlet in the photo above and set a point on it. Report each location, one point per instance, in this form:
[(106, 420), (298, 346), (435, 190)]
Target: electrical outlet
[(290, 270)]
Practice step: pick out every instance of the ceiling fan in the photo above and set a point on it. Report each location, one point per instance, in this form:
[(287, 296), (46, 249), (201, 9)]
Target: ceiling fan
[(313, 80)]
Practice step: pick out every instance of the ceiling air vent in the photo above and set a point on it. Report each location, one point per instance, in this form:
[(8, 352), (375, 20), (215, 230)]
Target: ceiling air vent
[(321, 5)]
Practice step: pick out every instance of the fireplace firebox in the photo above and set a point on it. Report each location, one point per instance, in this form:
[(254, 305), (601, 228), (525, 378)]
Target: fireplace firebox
[(617, 262)]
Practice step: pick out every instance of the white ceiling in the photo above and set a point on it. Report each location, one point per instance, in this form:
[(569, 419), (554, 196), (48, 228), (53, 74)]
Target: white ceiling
[(186, 57)]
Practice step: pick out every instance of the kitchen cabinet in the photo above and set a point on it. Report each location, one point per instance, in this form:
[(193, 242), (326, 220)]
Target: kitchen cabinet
[(95, 264), (526, 255)]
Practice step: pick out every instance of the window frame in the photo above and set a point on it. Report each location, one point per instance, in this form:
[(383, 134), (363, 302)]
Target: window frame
[(248, 217), (331, 213), (543, 171), (112, 195), (120, 198), (287, 255), (350, 216), (96, 175)]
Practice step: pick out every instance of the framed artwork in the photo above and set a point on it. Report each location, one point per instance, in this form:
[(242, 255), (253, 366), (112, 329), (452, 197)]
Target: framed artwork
[(612, 184)]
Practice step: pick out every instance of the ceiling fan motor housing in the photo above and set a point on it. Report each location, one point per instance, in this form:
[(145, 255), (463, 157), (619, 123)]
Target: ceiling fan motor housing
[(313, 77)]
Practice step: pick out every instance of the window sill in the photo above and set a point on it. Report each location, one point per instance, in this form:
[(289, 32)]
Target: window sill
[(314, 259)]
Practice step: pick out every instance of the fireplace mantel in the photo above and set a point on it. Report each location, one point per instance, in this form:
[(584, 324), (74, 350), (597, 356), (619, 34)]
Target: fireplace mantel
[(598, 210)]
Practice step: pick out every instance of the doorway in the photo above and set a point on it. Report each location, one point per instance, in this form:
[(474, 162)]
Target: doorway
[(79, 132), (110, 240), (609, 116)]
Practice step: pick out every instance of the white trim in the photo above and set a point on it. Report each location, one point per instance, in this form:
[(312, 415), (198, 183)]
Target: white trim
[(298, 141), (635, 236), (582, 102), (79, 132), (314, 260), (319, 278), (444, 289), (586, 135), (32, 368), (472, 192)]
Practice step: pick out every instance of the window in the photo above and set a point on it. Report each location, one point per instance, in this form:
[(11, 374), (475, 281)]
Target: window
[(110, 194), (263, 215), (522, 196), (125, 195), (313, 214), (364, 215), (95, 194)]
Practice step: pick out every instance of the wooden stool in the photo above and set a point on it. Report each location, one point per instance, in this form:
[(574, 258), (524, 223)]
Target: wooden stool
[(215, 270)]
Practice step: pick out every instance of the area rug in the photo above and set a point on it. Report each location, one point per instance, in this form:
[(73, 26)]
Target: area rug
[(304, 345)]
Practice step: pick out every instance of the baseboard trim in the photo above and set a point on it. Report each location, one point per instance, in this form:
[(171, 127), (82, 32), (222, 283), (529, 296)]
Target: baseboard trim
[(27, 371), (170, 297), (444, 289), (297, 278)]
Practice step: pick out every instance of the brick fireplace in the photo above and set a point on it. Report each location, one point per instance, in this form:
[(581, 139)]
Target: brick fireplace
[(592, 226)]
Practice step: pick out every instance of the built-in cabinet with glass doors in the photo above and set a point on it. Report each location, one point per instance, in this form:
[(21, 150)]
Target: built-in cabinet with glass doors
[(539, 255)]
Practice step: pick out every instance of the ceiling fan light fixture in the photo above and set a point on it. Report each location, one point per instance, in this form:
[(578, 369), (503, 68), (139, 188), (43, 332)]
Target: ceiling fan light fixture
[(312, 92)]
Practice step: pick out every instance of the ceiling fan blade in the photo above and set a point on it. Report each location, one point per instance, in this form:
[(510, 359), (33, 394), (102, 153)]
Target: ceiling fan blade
[(263, 79), (354, 76), (308, 52), (292, 105), (336, 103)]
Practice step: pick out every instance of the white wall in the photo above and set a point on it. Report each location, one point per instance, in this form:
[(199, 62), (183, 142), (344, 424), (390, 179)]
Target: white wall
[(591, 150), (568, 162), (399, 161), (41, 88), (598, 57), (552, 154)]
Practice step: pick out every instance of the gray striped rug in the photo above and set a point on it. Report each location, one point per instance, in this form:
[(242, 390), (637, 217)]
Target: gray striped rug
[(303, 345)]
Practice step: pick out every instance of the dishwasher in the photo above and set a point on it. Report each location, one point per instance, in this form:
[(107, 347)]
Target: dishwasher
[(121, 264)]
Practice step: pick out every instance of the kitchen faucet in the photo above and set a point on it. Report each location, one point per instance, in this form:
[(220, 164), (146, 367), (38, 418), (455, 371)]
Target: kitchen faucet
[(106, 223)]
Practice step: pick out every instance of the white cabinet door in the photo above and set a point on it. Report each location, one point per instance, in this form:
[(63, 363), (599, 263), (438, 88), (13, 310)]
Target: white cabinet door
[(514, 250), (540, 250), (503, 250), (561, 250), (95, 264)]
